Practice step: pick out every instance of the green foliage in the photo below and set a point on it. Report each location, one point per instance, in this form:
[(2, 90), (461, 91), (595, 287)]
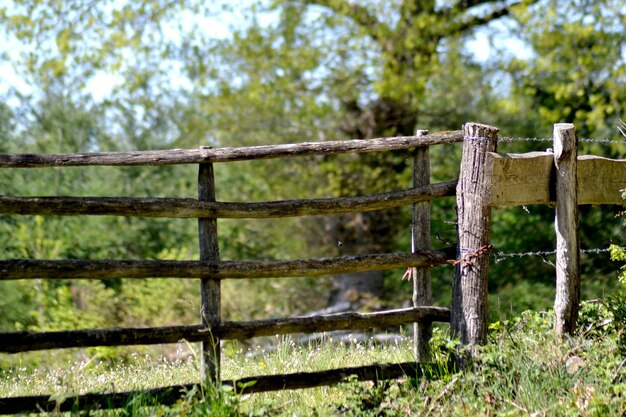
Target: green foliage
[(7, 124), (523, 370), (576, 71), (201, 402), (619, 254), (616, 302), (616, 305), (285, 72), (18, 305), (372, 399)]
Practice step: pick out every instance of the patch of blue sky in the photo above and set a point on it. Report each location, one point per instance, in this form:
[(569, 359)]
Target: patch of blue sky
[(485, 45)]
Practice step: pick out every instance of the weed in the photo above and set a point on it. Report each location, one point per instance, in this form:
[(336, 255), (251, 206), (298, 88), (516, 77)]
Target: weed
[(523, 370)]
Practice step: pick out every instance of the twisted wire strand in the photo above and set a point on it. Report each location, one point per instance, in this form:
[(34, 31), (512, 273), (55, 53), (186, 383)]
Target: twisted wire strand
[(586, 140), (500, 256)]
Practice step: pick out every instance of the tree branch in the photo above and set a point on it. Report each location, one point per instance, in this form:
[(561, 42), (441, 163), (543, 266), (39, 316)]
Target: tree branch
[(476, 21), (472, 3), (360, 15), (462, 6), (463, 25), (479, 20)]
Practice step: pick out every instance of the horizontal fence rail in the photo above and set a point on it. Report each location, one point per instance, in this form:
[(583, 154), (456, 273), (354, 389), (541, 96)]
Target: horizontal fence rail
[(27, 341), (263, 383), (207, 154), (11, 269), (191, 208), (530, 178), (509, 179), (211, 270)]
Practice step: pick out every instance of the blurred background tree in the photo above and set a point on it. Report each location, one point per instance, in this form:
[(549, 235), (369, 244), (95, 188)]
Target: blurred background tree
[(120, 75)]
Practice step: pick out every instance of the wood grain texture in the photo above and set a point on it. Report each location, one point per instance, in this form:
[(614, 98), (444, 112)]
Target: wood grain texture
[(520, 179), (601, 180), (207, 154), (190, 208), (210, 286), (469, 292), (420, 239), (14, 342), (525, 179), (567, 298), (110, 269)]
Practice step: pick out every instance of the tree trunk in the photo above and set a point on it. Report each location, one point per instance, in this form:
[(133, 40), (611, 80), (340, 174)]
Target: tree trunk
[(370, 232)]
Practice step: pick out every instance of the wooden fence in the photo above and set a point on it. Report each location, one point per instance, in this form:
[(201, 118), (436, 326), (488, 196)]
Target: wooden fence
[(211, 270), (556, 177), (487, 180)]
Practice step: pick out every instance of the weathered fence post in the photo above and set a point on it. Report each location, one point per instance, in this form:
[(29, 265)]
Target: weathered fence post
[(469, 291), (420, 239), (566, 227), (210, 288)]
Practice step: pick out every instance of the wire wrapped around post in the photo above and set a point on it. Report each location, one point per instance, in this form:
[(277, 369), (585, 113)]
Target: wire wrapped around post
[(469, 291)]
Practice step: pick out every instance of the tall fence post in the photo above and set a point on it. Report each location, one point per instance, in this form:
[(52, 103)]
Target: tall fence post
[(420, 239), (469, 291), (566, 226), (210, 288)]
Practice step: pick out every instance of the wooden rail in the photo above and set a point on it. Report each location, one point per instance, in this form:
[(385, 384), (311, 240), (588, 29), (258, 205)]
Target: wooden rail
[(487, 180), (211, 270), (530, 178), (11, 269), (227, 330), (263, 383), (206, 154), (190, 208)]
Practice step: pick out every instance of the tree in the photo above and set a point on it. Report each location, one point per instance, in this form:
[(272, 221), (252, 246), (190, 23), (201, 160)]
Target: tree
[(578, 71), (408, 40), (310, 69), (576, 74)]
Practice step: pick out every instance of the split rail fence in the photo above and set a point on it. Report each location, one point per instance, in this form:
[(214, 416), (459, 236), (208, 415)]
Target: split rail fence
[(210, 269), (487, 180)]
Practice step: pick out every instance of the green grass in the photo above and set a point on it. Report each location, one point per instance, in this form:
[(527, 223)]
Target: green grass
[(523, 371)]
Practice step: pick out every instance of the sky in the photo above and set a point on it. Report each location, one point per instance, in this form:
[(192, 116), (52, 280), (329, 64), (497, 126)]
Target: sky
[(101, 85), (8, 76)]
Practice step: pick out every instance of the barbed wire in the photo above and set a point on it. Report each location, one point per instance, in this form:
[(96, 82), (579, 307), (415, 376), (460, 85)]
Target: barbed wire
[(586, 140), (607, 141), (500, 256), (509, 139)]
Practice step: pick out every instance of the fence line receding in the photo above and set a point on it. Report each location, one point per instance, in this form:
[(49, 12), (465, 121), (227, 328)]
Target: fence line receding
[(211, 270), (487, 180)]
